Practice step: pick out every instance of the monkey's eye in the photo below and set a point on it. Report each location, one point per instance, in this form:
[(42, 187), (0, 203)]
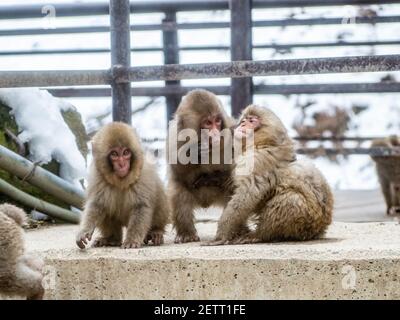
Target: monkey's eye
[(126, 152), (114, 154)]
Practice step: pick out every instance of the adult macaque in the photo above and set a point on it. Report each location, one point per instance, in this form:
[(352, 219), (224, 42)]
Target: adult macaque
[(20, 274), (289, 199), (198, 181), (123, 191), (388, 170)]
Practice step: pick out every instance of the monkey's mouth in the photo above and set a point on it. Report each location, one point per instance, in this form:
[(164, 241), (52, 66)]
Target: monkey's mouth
[(122, 172)]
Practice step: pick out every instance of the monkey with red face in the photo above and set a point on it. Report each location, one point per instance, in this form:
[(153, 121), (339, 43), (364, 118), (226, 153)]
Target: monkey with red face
[(124, 190), (288, 199), (203, 181)]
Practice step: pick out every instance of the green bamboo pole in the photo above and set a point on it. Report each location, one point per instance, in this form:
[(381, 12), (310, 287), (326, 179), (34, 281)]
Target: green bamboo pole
[(40, 178), (40, 205)]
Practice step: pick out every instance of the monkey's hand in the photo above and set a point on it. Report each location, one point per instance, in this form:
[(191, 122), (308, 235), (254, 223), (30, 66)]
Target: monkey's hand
[(157, 237), (131, 244), (184, 238), (83, 238)]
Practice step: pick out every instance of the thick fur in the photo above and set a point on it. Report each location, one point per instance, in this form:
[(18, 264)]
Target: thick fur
[(20, 274), (137, 201), (289, 199), (191, 185), (388, 170)]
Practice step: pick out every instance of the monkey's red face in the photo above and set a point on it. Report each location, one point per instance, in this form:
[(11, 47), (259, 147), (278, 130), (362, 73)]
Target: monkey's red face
[(248, 123), (213, 124), (120, 159)]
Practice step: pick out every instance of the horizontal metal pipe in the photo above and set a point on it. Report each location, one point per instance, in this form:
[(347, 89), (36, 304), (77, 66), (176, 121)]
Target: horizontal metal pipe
[(101, 8), (200, 25), (239, 69), (203, 48), (9, 79), (225, 90), (235, 69), (377, 152)]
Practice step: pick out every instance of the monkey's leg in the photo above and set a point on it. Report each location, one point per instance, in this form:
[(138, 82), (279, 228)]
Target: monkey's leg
[(111, 234), (386, 190), (27, 281), (290, 216), (33, 262), (183, 205), (138, 227), (160, 220), (88, 224)]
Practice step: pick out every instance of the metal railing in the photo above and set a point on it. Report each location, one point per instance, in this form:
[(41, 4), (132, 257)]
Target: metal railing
[(241, 69)]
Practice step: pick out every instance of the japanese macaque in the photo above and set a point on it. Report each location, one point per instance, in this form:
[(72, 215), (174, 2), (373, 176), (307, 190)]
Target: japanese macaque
[(288, 199), (203, 178), (124, 190), (20, 273), (388, 169)]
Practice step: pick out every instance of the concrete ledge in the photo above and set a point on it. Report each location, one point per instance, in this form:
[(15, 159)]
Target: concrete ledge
[(354, 261)]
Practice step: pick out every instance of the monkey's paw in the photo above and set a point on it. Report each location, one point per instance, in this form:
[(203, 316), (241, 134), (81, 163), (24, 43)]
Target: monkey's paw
[(106, 242), (156, 237), (131, 244), (83, 239), (184, 238)]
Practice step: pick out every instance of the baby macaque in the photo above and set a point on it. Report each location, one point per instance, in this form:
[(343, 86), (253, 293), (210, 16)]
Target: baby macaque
[(289, 199), (124, 190), (388, 170), (198, 183), (20, 273)]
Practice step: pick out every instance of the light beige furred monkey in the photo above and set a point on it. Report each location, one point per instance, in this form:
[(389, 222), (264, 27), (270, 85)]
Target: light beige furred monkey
[(198, 185), (20, 273), (124, 190), (388, 170), (289, 199)]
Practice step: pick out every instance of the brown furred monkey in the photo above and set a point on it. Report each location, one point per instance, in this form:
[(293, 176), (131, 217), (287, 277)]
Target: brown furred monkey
[(20, 274), (124, 190), (388, 170), (289, 199), (197, 183)]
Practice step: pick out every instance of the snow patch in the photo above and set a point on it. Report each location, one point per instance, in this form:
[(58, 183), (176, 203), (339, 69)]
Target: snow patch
[(38, 116)]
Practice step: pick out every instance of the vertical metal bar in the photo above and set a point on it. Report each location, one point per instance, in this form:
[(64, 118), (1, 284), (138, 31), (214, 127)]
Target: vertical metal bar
[(120, 59), (171, 56), (241, 45)]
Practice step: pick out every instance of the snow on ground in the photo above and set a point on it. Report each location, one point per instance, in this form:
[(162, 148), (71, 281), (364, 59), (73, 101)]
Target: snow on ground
[(38, 115), (379, 119)]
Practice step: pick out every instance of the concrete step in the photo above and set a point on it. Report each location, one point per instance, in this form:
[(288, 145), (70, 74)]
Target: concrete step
[(353, 261)]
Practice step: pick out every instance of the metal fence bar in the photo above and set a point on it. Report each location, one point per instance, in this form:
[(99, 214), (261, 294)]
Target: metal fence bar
[(234, 69), (266, 68), (198, 25), (120, 60), (241, 46), (325, 88), (202, 48), (100, 8), (376, 152), (171, 56), (10, 79)]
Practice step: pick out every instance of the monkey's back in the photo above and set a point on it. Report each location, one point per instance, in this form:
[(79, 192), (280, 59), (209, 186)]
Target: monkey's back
[(11, 242)]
